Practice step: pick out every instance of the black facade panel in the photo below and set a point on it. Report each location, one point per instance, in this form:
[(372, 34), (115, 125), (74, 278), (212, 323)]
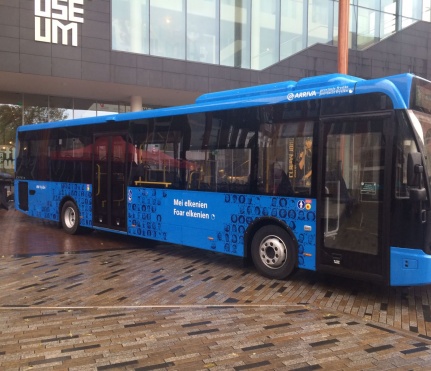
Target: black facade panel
[(155, 79), (9, 14), (9, 62), (174, 66), (66, 52), (143, 77), (36, 65), (149, 63), (124, 59), (93, 61), (9, 44), (95, 55), (93, 43), (176, 81), (96, 72), (66, 68), (9, 31), (95, 29), (34, 48), (124, 75)]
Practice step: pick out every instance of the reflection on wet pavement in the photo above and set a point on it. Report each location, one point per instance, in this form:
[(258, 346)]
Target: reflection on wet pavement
[(103, 301), (23, 235)]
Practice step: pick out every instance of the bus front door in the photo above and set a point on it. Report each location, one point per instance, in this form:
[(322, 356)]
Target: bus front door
[(109, 181), (353, 197)]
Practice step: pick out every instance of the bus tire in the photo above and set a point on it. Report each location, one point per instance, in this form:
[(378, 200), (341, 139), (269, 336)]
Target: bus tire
[(273, 252), (70, 217)]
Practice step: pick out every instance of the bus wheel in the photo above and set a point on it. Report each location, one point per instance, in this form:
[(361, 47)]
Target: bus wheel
[(273, 252), (70, 217)]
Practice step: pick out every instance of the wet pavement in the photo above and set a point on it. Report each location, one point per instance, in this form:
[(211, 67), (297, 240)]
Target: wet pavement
[(102, 301)]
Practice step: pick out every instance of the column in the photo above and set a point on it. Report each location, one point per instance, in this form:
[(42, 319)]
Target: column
[(343, 36), (136, 103)]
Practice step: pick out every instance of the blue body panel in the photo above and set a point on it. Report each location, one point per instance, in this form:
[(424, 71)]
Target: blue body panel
[(206, 220), (409, 267), (45, 198), (218, 221)]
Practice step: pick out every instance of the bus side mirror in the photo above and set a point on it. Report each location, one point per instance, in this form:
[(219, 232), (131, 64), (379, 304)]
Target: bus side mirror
[(415, 171)]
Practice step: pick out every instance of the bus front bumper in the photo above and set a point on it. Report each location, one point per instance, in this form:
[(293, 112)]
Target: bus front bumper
[(409, 267)]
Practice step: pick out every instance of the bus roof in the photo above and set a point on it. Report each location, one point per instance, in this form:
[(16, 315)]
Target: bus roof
[(397, 87)]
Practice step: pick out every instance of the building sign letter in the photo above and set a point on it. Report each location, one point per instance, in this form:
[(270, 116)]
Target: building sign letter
[(58, 17)]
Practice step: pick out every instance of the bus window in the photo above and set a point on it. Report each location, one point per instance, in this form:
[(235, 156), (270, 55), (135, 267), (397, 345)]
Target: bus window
[(70, 157), (285, 158), (157, 144), (220, 153), (304, 171), (23, 162), (33, 163), (224, 170)]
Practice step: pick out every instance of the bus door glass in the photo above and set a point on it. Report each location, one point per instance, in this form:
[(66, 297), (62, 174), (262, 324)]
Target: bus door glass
[(352, 190), (109, 181), (408, 213)]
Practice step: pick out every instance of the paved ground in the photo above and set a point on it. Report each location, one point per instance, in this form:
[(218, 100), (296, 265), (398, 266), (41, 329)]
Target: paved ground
[(106, 302)]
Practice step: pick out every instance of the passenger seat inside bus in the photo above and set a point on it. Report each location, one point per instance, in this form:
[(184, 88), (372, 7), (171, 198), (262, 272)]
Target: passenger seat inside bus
[(284, 187), (194, 180)]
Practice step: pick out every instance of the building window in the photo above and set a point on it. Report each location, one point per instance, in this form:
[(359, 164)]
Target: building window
[(202, 31), (293, 36), (167, 29), (130, 26), (235, 18), (265, 33), (251, 34)]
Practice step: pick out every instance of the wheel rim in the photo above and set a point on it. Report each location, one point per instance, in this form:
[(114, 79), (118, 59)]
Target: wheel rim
[(273, 252), (69, 217)]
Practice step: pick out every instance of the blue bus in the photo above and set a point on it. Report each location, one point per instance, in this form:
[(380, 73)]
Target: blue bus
[(330, 174)]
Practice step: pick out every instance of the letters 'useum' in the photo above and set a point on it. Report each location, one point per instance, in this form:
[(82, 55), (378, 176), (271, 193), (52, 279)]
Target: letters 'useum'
[(54, 17)]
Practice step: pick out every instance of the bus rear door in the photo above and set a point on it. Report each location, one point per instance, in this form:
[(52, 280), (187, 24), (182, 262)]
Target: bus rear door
[(352, 194)]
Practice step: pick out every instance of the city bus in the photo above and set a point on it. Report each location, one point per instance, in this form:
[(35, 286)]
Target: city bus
[(330, 174)]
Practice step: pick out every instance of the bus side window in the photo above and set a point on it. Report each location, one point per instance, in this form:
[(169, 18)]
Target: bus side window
[(158, 149), (304, 165), (285, 158)]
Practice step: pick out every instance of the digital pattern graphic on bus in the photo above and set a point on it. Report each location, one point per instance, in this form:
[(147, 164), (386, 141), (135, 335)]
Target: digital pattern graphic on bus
[(218, 221)]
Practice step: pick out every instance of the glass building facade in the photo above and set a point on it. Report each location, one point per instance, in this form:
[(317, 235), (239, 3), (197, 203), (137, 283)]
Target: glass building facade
[(247, 34), (251, 34)]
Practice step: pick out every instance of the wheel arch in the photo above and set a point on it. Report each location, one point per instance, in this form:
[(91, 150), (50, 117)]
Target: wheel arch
[(261, 222)]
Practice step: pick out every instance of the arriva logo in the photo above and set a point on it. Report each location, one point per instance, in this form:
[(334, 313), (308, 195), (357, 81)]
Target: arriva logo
[(303, 94), (57, 17)]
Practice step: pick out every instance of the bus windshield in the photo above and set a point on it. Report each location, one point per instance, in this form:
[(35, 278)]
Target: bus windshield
[(420, 115), (422, 123)]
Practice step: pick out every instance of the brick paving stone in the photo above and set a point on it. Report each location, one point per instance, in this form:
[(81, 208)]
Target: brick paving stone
[(106, 302)]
